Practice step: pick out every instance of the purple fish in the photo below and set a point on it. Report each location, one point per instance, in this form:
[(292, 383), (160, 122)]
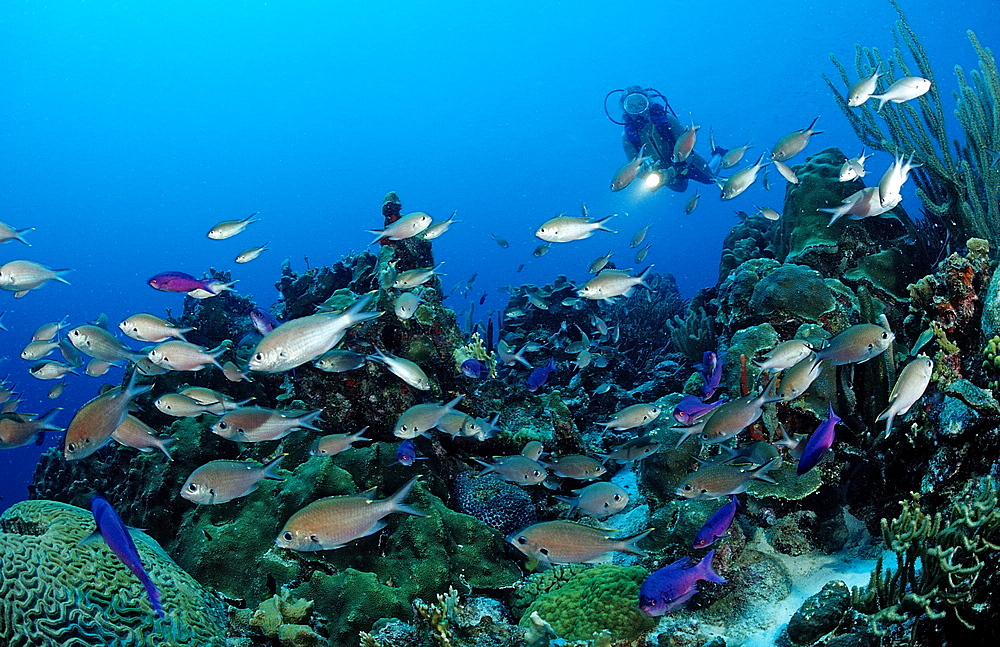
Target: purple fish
[(690, 408), (115, 533), (178, 282), (538, 376), (406, 453), (819, 442), (475, 368), (263, 321), (711, 370), (671, 586), (717, 525)]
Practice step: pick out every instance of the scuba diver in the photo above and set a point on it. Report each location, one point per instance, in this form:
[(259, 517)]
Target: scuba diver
[(652, 127)]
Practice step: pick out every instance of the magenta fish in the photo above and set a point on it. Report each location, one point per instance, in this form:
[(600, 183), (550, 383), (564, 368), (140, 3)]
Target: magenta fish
[(819, 442), (691, 408), (711, 370), (671, 586), (717, 525), (263, 321), (178, 282)]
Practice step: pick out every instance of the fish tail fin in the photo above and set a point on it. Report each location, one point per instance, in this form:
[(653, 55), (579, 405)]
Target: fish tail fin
[(355, 314), (629, 543), (707, 572), (488, 466), (165, 447), (571, 501), (45, 422), (761, 473), (180, 332), (600, 223), (360, 435), (397, 499), (686, 432), (19, 235), (306, 421), (642, 277), (813, 123), (133, 389), (153, 593), (59, 276), (271, 469), (881, 101), (453, 403)]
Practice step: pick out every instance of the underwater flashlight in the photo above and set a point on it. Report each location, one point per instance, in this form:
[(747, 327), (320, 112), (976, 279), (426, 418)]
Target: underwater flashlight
[(653, 180)]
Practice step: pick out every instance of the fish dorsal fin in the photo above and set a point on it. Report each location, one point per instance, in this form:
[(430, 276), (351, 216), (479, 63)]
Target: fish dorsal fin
[(102, 321), (368, 494)]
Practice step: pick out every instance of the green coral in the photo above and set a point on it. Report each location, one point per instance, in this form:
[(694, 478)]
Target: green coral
[(939, 558), (56, 592), (790, 486), (475, 349), (794, 290), (545, 581), (600, 598)]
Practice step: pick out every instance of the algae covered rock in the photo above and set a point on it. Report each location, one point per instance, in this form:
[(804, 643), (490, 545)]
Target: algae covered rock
[(819, 614), (56, 592), (601, 598), (793, 290)]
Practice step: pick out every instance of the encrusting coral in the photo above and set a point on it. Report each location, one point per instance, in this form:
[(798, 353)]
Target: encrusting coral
[(55, 592)]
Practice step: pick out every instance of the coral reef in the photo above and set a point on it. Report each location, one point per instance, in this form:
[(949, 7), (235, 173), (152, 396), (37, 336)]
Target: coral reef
[(56, 592)]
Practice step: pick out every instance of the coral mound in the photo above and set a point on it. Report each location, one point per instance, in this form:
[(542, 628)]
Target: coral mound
[(55, 592)]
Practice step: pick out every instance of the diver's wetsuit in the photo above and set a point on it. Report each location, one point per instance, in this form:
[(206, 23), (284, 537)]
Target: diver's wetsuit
[(659, 130)]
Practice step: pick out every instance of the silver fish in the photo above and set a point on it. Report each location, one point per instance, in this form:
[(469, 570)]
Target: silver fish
[(567, 542), (516, 469), (48, 331), (38, 349), (333, 444), (220, 402), (438, 228), (404, 369), (251, 253), (640, 255), (94, 341), (905, 89), (799, 377), (910, 386), (408, 226), (576, 466), (8, 233), (565, 229), (636, 415), (716, 480), (21, 276), (413, 278), (599, 263), (627, 172), (857, 344), (863, 89), (257, 424), (733, 156), (338, 361), (785, 355), (234, 374), (786, 172), (181, 406), (50, 370), (611, 284), (222, 481), (96, 420), (184, 356), (421, 418), (406, 304), (792, 144), (302, 340), (639, 236), (229, 228), (729, 419), (598, 500), (335, 521), (741, 180), (692, 203), (768, 213), (136, 434)]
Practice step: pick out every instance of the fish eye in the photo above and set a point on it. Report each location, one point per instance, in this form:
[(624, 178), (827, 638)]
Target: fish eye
[(885, 335), (522, 540), (687, 488), (704, 436), (618, 497), (259, 357), (287, 536), (222, 424), (536, 473), (71, 447), (192, 487)]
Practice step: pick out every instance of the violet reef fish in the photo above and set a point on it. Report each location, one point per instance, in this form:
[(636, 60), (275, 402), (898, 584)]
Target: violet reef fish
[(820, 441), (717, 525), (670, 587)]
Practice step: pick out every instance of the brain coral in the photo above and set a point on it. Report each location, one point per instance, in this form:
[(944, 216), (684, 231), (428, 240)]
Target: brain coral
[(56, 593)]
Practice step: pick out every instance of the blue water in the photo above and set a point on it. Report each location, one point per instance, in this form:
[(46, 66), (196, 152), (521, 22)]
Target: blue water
[(128, 129)]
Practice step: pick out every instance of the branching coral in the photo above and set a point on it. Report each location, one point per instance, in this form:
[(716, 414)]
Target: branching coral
[(643, 318), (959, 183), (939, 557)]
